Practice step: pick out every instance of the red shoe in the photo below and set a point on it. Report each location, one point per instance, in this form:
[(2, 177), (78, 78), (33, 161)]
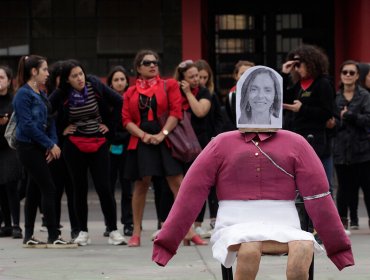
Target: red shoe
[(196, 240), (134, 241)]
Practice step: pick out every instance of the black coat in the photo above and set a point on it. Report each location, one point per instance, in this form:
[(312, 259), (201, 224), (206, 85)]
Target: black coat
[(109, 103), (317, 107), (352, 142)]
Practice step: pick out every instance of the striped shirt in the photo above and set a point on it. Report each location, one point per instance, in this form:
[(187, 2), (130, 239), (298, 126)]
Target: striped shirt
[(87, 117)]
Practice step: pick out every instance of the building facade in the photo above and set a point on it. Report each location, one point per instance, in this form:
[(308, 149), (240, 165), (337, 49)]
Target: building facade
[(103, 33)]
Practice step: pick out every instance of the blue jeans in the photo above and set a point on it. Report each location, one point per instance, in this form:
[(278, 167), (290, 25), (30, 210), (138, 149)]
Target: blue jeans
[(329, 169)]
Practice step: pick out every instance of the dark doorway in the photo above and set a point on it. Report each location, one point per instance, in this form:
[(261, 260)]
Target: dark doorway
[(264, 34)]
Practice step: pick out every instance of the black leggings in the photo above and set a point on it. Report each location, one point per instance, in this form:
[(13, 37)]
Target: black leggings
[(78, 164), (40, 185), (117, 168), (350, 179), (10, 198), (63, 182)]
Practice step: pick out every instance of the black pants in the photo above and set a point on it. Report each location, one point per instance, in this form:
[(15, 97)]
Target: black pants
[(350, 179), (78, 164), (117, 167), (9, 200), (40, 185), (63, 182)]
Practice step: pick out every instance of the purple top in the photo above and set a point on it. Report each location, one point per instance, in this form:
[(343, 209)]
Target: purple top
[(238, 170)]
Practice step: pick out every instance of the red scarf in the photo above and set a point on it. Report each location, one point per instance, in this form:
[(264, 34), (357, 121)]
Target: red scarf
[(185, 103), (306, 83), (148, 88)]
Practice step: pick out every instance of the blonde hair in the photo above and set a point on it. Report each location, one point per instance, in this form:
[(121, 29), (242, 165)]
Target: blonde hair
[(201, 64)]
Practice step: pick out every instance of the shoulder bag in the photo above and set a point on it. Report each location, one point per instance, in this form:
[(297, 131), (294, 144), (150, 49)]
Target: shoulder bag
[(185, 145), (10, 131)]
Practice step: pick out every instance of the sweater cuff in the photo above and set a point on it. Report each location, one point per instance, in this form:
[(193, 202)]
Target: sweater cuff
[(160, 255), (343, 259)]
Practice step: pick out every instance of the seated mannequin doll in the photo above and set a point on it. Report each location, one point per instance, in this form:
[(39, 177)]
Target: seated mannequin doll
[(256, 172)]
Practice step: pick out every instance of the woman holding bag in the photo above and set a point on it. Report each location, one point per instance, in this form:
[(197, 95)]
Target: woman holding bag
[(148, 151)]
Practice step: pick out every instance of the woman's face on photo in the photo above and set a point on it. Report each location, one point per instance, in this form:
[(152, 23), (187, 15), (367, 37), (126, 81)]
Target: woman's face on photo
[(119, 82), (77, 78), (192, 77), (149, 67), (261, 93), (203, 77)]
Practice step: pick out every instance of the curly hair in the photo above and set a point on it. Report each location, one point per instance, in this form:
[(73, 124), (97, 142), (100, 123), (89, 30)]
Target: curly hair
[(315, 58)]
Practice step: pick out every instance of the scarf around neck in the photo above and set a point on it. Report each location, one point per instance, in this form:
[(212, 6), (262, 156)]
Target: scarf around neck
[(77, 98), (185, 102), (147, 87)]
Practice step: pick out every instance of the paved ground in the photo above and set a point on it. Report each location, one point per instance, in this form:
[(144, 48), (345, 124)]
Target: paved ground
[(102, 261)]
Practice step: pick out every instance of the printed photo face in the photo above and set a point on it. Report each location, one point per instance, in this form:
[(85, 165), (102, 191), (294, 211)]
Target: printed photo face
[(261, 93), (259, 99)]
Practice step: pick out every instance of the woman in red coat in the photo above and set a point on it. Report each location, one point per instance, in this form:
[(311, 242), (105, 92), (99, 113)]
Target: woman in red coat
[(148, 149)]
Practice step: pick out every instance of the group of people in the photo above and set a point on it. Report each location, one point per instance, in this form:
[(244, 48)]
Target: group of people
[(69, 123)]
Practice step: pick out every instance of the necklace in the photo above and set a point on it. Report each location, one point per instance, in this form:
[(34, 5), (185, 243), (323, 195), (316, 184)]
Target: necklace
[(145, 103)]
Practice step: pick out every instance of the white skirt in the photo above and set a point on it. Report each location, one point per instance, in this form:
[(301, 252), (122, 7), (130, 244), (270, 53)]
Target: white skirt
[(241, 221)]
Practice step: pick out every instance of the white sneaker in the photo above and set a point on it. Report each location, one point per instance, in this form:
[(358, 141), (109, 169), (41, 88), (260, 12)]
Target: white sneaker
[(154, 235), (82, 239), (202, 233), (348, 233), (115, 238)]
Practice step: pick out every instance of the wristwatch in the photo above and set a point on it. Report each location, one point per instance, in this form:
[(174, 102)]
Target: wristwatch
[(165, 132)]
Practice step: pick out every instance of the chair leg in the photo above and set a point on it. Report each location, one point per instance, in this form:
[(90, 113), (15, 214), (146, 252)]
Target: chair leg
[(227, 273)]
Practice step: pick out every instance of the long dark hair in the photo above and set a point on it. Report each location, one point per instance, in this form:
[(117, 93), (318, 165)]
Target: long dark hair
[(114, 70), (9, 75), (55, 71), (67, 67), (25, 65)]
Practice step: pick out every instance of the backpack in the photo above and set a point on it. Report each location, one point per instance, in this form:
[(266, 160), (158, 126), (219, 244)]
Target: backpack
[(10, 131)]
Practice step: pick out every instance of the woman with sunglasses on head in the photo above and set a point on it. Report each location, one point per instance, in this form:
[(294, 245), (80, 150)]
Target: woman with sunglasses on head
[(118, 80), (36, 147), (351, 144), (86, 108), (148, 150)]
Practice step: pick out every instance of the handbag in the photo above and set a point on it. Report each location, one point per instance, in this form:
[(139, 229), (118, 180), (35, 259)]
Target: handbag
[(10, 131), (87, 144), (185, 145)]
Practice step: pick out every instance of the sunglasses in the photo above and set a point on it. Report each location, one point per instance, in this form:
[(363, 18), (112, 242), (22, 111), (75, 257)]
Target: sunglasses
[(298, 64), (147, 63), (185, 63), (350, 72)]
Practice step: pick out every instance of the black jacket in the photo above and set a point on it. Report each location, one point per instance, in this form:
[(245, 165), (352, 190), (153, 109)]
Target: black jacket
[(109, 103), (352, 142), (317, 107)]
